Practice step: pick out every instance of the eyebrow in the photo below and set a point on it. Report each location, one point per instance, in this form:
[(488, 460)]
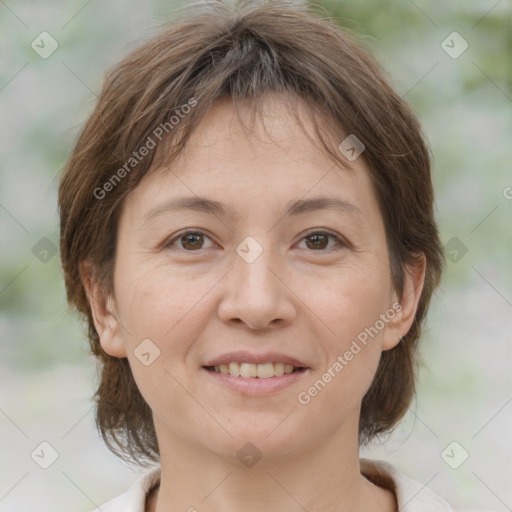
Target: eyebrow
[(298, 207)]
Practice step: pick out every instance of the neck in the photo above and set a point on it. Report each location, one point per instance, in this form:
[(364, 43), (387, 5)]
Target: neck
[(324, 478)]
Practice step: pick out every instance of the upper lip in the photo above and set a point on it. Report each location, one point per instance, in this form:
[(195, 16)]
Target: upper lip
[(241, 356)]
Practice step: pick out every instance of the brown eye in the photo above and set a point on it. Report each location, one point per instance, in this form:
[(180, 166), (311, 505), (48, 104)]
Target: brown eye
[(318, 241), (192, 241), (188, 241)]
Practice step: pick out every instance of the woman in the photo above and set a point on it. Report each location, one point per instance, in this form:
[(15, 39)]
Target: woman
[(247, 226)]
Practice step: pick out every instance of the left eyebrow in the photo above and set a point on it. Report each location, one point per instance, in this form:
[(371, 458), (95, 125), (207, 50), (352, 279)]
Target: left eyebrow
[(294, 208), (193, 203)]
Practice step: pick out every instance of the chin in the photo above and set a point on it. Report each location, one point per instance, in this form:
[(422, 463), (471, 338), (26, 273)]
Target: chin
[(256, 435)]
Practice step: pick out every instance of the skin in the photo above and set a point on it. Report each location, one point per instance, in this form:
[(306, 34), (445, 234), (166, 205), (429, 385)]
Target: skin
[(295, 298)]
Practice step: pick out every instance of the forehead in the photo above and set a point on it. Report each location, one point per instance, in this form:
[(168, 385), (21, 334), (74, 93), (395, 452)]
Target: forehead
[(241, 161), (281, 122)]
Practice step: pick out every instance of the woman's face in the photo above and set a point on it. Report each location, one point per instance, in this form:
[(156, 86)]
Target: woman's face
[(271, 271)]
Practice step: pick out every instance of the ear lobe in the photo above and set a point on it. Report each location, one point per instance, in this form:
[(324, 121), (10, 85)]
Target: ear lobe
[(103, 313), (413, 286)]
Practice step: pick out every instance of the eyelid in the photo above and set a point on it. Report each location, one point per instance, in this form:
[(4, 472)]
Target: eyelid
[(171, 240), (323, 231), (342, 241)]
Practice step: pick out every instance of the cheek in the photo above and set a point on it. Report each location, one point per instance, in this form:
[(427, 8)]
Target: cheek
[(349, 306), (348, 300), (164, 304), (166, 308)]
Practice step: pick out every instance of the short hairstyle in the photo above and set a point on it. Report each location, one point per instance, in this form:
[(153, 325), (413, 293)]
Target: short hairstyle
[(244, 53)]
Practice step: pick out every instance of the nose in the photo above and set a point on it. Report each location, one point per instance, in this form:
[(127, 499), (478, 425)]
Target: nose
[(257, 295)]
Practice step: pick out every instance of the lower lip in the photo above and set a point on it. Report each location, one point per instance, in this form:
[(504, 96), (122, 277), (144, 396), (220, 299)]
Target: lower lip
[(253, 386)]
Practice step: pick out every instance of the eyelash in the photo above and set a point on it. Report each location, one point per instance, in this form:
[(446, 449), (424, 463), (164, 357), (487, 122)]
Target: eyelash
[(169, 242)]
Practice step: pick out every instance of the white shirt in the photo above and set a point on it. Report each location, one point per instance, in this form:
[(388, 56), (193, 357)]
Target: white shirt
[(411, 496)]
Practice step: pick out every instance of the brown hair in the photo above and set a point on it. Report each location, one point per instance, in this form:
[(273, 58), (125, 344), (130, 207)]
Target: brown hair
[(244, 53)]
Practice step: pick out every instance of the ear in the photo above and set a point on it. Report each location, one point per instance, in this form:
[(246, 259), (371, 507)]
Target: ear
[(406, 305), (103, 313)]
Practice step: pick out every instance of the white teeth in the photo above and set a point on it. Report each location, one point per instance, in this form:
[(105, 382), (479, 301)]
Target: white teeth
[(265, 370), (234, 369), (247, 370), (278, 369)]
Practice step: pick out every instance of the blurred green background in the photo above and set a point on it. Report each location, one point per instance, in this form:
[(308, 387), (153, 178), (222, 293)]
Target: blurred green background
[(465, 105)]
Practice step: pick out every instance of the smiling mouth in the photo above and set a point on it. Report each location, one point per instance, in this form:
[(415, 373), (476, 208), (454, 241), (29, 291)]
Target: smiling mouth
[(250, 370)]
